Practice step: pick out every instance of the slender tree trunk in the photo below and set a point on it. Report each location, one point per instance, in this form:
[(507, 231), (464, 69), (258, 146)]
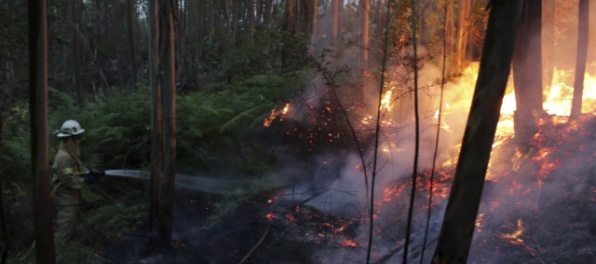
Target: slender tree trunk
[(228, 17), (582, 54), (5, 237), (169, 111), (38, 107), (460, 216), (260, 10), (365, 32), (131, 40), (335, 13), (289, 17), (450, 30), (66, 49), (211, 12), (298, 16), (156, 111), (314, 25), (288, 25), (548, 41), (77, 52), (527, 72), (235, 19), (251, 21), (462, 32), (180, 31), (267, 12)]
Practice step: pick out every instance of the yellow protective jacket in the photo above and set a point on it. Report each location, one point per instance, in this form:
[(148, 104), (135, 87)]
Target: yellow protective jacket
[(67, 169)]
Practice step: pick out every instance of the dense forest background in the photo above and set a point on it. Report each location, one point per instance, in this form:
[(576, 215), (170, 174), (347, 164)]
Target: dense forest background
[(237, 62)]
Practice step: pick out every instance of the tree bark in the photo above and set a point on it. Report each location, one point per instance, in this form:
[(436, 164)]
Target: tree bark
[(527, 72), (228, 17), (156, 111), (450, 30), (267, 12), (251, 21), (464, 199), (289, 17), (582, 54), (38, 107), (298, 16), (365, 32), (548, 41), (462, 32), (335, 13), (260, 10), (313, 30), (169, 121), (76, 52), (131, 41)]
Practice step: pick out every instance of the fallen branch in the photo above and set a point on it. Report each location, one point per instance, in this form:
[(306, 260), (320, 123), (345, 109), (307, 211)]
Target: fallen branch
[(257, 245)]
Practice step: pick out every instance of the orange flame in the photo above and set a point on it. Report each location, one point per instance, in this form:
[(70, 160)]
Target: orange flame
[(386, 100), (349, 243), (514, 237), (275, 113)]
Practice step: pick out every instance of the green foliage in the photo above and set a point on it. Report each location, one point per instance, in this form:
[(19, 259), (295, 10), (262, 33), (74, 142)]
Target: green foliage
[(65, 253), (216, 129), (111, 208)]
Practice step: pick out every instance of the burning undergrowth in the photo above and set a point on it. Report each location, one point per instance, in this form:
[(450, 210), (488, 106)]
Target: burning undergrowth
[(537, 205)]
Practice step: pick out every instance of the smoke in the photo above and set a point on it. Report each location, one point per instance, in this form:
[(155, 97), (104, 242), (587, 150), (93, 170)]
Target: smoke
[(513, 199)]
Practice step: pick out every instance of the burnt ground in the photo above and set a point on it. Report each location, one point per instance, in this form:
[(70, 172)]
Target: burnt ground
[(563, 232), (543, 211)]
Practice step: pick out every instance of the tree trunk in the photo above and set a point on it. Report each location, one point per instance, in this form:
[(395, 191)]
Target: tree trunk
[(211, 11), (527, 72), (462, 32), (38, 107), (259, 12), (235, 19), (365, 32), (464, 199), (131, 37), (335, 14), (251, 21), (228, 17), (289, 17), (267, 12), (156, 111), (76, 52), (582, 54), (450, 30), (548, 41), (169, 121), (313, 30)]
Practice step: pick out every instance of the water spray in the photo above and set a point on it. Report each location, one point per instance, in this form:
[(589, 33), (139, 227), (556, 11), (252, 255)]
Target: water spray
[(198, 183)]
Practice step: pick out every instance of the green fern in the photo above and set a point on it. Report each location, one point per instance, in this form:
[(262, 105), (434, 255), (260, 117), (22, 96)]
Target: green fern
[(234, 121)]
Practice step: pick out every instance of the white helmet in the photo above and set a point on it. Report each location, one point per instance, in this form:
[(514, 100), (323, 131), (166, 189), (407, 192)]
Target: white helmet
[(70, 128)]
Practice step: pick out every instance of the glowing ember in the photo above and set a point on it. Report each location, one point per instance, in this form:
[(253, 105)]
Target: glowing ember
[(270, 216), (479, 222), (349, 243), (514, 237)]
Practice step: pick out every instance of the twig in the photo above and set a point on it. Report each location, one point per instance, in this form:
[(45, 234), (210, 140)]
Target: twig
[(377, 132), (257, 245), (432, 172), (110, 197), (331, 82), (417, 143)]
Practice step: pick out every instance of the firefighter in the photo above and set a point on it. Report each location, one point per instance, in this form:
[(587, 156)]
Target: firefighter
[(69, 177)]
